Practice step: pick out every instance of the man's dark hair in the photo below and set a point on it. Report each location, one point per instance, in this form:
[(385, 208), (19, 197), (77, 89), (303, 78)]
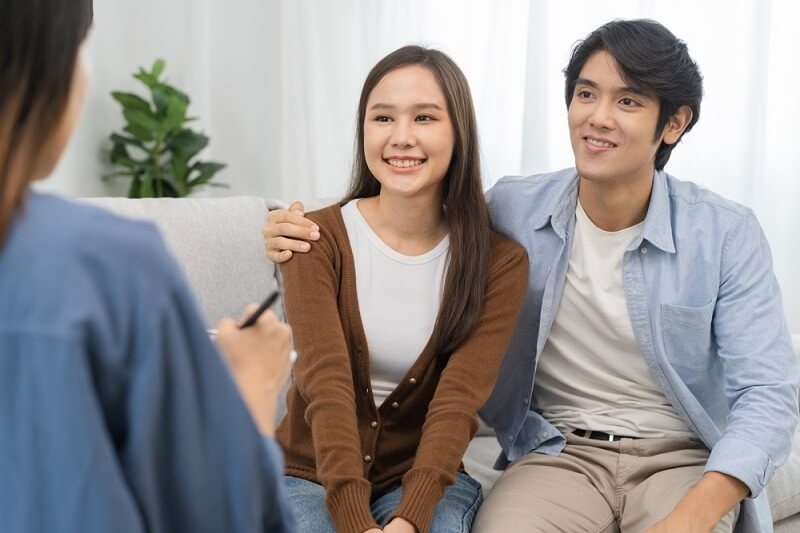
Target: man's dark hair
[(650, 59)]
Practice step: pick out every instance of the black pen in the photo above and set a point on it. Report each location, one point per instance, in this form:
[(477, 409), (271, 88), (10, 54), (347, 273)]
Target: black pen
[(261, 308)]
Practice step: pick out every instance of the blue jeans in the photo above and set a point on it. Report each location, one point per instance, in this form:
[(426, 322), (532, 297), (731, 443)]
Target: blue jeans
[(454, 513)]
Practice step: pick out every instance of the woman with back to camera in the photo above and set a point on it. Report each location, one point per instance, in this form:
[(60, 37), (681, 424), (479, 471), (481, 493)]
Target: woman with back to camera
[(401, 314), (116, 411)]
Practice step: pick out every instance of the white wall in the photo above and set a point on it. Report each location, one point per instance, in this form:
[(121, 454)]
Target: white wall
[(225, 55)]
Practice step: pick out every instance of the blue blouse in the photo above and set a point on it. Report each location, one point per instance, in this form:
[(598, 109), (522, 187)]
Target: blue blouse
[(116, 411)]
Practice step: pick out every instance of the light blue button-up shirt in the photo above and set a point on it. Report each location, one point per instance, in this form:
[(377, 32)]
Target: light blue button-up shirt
[(706, 312)]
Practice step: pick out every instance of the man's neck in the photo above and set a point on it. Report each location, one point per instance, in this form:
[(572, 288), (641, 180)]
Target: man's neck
[(615, 207)]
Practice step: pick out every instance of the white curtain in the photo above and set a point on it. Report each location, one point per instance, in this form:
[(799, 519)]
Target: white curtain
[(513, 53), (275, 84)]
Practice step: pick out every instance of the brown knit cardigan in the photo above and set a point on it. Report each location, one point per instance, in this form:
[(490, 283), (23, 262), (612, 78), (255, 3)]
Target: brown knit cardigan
[(334, 434)]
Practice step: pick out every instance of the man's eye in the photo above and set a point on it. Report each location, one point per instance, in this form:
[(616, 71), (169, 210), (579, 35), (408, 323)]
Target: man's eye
[(584, 94), (628, 102)]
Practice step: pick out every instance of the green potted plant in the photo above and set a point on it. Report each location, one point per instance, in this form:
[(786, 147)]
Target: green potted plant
[(155, 149)]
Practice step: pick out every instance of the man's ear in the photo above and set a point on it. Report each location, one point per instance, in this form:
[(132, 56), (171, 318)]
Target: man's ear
[(677, 124)]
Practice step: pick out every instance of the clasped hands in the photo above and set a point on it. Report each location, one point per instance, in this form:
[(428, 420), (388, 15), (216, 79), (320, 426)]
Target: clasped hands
[(396, 525)]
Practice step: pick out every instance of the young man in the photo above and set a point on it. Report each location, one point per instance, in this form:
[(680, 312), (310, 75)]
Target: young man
[(651, 383)]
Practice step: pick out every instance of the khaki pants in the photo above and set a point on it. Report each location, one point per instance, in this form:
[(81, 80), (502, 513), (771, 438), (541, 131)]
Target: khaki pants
[(595, 486)]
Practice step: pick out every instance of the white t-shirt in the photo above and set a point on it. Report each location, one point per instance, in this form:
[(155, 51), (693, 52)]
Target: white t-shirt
[(591, 374), (398, 298)]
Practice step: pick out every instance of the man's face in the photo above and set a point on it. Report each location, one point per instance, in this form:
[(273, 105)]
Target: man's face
[(612, 126)]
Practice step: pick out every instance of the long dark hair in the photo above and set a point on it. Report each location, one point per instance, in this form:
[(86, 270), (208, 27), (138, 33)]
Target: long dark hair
[(39, 45), (651, 59), (464, 204)]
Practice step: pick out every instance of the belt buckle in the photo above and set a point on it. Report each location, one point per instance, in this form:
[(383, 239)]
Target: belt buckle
[(610, 437)]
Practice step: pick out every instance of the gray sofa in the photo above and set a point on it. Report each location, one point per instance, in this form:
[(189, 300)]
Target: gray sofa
[(219, 245)]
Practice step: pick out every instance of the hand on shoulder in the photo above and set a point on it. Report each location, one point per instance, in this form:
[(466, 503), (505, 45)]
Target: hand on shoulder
[(288, 231)]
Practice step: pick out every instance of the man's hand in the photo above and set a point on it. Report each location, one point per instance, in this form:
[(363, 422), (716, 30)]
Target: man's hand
[(259, 361), (676, 524), (701, 509), (399, 525), (288, 231)]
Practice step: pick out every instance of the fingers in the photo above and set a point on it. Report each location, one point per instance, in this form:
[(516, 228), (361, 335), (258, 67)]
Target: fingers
[(248, 310), (297, 207), (307, 230), (287, 232), (297, 218)]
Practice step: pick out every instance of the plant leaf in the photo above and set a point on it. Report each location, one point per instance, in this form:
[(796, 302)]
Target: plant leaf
[(171, 91), (143, 121), (186, 144), (146, 187), (120, 156), (131, 101), (117, 138), (140, 133), (206, 172), (176, 112), (146, 78), (158, 68), (133, 190), (160, 99)]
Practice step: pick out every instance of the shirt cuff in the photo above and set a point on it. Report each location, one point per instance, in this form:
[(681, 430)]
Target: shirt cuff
[(743, 460)]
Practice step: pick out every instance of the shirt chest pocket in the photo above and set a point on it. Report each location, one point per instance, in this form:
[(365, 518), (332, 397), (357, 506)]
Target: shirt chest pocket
[(687, 335)]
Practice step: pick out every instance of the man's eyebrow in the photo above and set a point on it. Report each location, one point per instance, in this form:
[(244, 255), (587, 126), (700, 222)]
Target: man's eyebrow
[(617, 90)]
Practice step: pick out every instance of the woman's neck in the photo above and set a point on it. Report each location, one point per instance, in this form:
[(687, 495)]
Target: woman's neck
[(408, 226)]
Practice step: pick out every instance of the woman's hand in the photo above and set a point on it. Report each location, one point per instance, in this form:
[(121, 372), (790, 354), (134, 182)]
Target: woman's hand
[(258, 357), (399, 525)]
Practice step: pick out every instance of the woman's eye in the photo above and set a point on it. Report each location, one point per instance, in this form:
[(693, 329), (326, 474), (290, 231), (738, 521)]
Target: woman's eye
[(424, 118), (382, 118)]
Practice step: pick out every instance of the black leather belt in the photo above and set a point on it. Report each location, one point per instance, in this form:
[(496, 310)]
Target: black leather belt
[(600, 435)]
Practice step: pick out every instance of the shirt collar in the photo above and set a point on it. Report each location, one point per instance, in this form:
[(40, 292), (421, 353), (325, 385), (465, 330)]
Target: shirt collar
[(561, 207), (657, 227)]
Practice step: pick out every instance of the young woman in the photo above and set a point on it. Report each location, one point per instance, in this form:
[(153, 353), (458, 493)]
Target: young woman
[(401, 314), (116, 410)]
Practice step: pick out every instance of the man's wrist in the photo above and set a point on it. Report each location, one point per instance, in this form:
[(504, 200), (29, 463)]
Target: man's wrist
[(710, 500)]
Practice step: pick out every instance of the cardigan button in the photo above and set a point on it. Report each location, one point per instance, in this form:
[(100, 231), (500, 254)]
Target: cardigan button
[(395, 405), (367, 458), (413, 381), (373, 424)]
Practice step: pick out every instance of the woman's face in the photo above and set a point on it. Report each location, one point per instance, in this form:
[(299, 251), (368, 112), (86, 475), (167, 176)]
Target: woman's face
[(408, 135), (57, 141)]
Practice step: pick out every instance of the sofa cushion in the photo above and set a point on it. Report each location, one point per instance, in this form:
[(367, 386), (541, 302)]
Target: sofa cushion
[(784, 488), (217, 242)]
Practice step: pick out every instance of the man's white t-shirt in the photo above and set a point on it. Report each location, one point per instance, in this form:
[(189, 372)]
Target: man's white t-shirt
[(591, 374)]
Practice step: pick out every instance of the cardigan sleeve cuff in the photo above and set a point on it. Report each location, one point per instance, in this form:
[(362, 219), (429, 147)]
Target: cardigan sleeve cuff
[(349, 507), (421, 494)]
